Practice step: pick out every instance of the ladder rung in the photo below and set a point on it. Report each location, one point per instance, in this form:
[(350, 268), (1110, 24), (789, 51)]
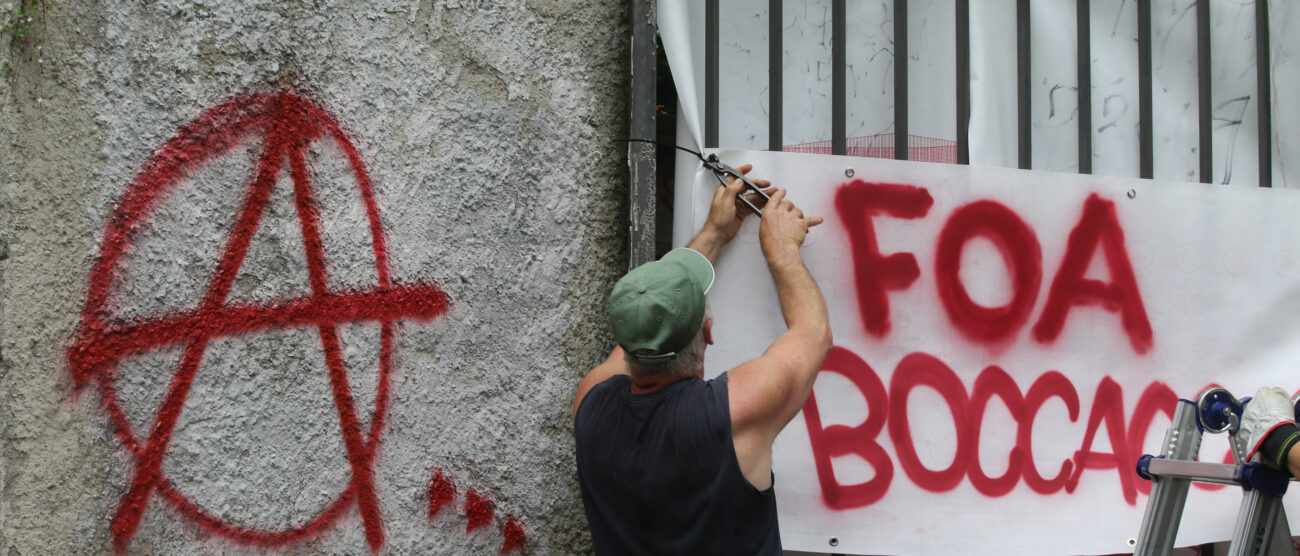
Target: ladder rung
[(1199, 471)]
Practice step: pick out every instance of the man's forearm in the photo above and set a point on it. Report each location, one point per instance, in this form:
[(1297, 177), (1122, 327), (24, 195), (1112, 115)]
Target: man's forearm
[(1280, 450), (802, 304), (708, 242)]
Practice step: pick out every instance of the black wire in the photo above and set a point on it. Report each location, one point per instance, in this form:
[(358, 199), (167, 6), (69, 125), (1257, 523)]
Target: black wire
[(680, 148)]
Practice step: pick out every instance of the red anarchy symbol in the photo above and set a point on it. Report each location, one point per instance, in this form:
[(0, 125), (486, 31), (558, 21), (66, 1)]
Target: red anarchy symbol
[(290, 124)]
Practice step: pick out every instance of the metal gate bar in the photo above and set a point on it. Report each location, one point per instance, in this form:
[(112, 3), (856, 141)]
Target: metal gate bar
[(839, 67), (1146, 165), (963, 81), (1263, 94), (1024, 102), (1083, 63), (1205, 111), (775, 58), (900, 80)]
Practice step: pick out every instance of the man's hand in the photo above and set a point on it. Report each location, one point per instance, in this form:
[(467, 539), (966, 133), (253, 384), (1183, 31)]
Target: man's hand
[(1270, 409), (784, 227), (726, 213)]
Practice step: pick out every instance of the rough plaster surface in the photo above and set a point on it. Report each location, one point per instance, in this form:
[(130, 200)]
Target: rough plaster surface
[(487, 129)]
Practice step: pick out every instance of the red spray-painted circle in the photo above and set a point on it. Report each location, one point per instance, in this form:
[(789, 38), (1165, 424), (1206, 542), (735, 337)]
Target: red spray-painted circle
[(290, 124)]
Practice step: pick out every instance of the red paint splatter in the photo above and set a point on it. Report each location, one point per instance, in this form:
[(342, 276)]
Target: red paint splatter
[(513, 533), (1098, 227), (479, 509), (290, 124), (857, 203), (441, 492)]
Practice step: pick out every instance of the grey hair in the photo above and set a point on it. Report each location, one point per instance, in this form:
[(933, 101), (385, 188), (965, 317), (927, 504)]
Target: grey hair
[(689, 359)]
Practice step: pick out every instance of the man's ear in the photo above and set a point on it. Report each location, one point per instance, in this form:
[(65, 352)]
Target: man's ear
[(708, 331)]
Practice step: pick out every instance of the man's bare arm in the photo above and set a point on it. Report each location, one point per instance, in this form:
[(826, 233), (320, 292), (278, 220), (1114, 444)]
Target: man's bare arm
[(613, 365), (767, 392), (796, 356)]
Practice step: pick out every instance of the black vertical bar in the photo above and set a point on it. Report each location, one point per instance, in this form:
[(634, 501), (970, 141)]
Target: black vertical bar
[(775, 57), (1146, 156), (1083, 19), (900, 80), (963, 81), (1263, 92), (641, 155), (1205, 112), (711, 24), (839, 66), (1023, 101)]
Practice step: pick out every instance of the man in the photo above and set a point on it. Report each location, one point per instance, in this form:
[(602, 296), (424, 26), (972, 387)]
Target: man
[(1270, 428), (670, 463)]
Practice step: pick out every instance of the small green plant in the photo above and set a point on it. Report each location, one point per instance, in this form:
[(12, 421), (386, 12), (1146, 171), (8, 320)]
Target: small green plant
[(25, 19), (27, 27)]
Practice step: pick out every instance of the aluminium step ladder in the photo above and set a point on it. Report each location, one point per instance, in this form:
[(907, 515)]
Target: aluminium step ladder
[(1261, 527)]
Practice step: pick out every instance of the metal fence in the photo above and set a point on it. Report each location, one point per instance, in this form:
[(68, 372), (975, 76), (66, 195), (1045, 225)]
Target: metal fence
[(900, 143), (903, 147)]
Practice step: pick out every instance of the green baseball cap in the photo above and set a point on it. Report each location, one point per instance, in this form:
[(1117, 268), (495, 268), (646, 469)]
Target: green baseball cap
[(658, 307)]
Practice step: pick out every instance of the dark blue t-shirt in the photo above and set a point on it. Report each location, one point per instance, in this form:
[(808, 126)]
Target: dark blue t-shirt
[(659, 474)]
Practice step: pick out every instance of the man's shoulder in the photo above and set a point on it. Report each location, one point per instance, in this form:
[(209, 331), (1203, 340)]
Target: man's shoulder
[(602, 389)]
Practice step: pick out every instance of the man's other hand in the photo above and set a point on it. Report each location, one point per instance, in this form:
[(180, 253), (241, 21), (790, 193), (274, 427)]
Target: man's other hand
[(1270, 408), (784, 226)]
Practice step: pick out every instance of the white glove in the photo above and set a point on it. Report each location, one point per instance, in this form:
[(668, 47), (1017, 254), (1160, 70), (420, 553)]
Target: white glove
[(1269, 408)]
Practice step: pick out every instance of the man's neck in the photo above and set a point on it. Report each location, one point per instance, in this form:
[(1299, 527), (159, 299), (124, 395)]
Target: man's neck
[(647, 384)]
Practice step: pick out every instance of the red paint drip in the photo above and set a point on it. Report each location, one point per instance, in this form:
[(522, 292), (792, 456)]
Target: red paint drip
[(441, 492), (289, 123), (513, 532), (480, 511)]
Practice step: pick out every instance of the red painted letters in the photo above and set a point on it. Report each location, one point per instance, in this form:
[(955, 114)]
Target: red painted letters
[(857, 203), (1019, 248), (993, 382), (839, 440), (1108, 410), (1051, 385), (1099, 227), (920, 369)]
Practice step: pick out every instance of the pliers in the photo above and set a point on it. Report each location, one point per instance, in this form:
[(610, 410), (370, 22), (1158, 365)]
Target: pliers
[(720, 170)]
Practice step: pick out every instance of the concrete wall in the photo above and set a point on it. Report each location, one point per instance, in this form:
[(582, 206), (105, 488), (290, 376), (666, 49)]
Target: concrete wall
[(193, 356)]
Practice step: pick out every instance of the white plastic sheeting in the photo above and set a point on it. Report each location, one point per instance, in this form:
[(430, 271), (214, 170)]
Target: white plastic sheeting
[(1215, 265), (899, 468)]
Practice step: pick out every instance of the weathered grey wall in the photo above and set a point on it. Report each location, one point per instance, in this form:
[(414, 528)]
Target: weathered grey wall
[(487, 129)]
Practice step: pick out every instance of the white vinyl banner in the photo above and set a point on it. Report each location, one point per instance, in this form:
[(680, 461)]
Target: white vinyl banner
[(1007, 343)]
